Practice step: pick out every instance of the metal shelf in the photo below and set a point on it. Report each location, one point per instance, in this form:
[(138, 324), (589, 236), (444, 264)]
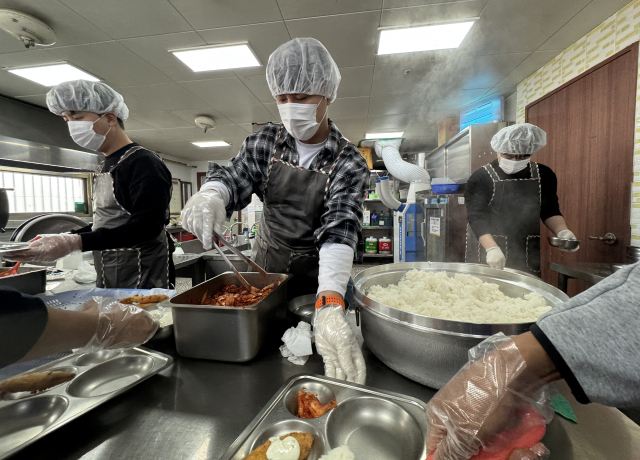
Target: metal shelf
[(377, 255), (372, 199), (375, 227)]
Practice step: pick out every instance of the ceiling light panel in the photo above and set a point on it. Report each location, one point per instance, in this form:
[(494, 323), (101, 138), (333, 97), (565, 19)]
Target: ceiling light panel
[(212, 144), (383, 135), (426, 38), (218, 58), (52, 75)]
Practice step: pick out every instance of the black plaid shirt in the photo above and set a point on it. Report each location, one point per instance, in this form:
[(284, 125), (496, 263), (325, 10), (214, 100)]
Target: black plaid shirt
[(342, 220)]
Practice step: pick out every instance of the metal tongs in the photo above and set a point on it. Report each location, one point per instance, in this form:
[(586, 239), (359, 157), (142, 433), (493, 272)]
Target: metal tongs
[(235, 251)]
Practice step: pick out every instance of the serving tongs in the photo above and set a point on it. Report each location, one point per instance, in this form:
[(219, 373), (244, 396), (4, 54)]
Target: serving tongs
[(243, 281), (235, 251)]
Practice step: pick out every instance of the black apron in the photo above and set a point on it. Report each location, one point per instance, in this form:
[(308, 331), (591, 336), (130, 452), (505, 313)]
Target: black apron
[(515, 222), (143, 266), (294, 202)]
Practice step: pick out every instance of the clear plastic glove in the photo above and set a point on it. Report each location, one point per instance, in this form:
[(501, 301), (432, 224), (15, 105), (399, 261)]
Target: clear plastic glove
[(204, 212), (118, 325), (536, 452), (496, 258), (338, 346), (491, 394), (568, 235), (47, 248)]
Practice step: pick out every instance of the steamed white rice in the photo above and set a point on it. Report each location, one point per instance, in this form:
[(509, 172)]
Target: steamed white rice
[(460, 298), (339, 453)]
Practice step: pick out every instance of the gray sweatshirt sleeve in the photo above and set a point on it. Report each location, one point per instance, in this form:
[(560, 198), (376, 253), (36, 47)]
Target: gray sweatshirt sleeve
[(596, 335)]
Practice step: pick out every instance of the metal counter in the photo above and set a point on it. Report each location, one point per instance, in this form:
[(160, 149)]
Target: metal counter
[(591, 272), (196, 409)]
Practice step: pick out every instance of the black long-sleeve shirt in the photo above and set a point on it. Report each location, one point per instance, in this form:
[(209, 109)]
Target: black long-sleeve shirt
[(142, 185), (22, 322), (479, 190)]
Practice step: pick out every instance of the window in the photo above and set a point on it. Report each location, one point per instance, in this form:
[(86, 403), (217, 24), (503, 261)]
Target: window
[(34, 193)]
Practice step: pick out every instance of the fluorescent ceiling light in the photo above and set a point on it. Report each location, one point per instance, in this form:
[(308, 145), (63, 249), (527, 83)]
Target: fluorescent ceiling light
[(427, 38), (218, 58), (383, 135), (51, 75), (212, 144)]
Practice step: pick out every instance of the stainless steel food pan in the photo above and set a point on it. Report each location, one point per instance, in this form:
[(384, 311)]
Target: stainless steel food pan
[(563, 243), (227, 333), (29, 280), (431, 350)]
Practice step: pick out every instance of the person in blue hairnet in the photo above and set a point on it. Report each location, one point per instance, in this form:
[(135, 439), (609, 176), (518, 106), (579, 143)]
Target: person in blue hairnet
[(312, 182), (506, 200)]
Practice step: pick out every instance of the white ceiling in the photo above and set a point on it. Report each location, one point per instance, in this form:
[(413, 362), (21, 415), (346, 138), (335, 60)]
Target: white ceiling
[(126, 43)]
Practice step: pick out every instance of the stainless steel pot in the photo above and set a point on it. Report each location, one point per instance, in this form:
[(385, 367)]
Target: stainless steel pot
[(431, 350)]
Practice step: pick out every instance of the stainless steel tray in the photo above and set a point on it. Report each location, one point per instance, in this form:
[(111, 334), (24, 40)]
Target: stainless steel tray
[(12, 246), (100, 376), (375, 424), (29, 280)]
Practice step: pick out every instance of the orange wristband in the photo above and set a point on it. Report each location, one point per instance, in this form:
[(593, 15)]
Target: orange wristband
[(322, 301)]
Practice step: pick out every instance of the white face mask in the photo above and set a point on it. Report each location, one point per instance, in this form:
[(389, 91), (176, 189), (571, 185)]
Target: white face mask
[(83, 134), (300, 119), (513, 166)]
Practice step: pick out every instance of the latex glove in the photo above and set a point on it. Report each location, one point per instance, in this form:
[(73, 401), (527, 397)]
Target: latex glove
[(496, 258), (567, 235), (338, 346), (204, 212), (536, 452), (484, 399), (118, 325), (47, 248)]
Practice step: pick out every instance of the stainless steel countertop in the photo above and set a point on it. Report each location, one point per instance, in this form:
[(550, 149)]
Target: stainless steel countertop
[(184, 260), (196, 409), (591, 272)]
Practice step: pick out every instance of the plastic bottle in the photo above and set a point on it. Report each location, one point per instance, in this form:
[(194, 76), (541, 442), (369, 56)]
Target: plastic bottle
[(382, 221), (384, 245), (374, 219), (371, 245), (366, 218)]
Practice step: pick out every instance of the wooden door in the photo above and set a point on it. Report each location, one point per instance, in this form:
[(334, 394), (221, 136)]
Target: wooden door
[(590, 137), (202, 178)]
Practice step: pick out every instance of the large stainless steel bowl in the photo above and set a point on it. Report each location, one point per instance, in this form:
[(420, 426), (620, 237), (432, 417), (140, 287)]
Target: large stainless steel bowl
[(431, 350)]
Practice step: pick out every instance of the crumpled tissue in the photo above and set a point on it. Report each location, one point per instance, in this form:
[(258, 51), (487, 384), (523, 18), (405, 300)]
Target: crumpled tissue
[(297, 344), (86, 273)]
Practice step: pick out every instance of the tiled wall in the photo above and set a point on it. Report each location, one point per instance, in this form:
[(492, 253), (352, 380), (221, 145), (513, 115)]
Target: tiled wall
[(613, 35)]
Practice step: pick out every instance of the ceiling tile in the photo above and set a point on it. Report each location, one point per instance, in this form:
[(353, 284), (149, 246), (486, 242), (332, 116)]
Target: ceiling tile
[(532, 63), (257, 84), (126, 18), (292, 9), (393, 104), (222, 92), (155, 50), (247, 127), (32, 57), (160, 119), (13, 85), (433, 14), (272, 107), (246, 113), (403, 3), (189, 115), (410, 77), (149, 135), (355, 126), (167, 96), (350, 38), (39, 99), (427, 127), (356, 81), (207, 14), (263, 38), (534, 22), (478, 72), (196, 134), (420, 56), (349, 107), (387, 122), (70, 27), (134, 125), (586, 20), (448, 102), (505, 91), (113, 62)]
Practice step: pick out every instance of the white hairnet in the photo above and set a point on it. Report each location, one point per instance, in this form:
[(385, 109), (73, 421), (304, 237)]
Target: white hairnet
[(521, 139), (303, 65), (86, 96)]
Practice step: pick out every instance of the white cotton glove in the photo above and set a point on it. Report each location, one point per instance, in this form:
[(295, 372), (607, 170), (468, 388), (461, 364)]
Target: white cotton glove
[(496, 258), (203, 213), (337, 345), (47, 248), (118, 325), (567, 235)]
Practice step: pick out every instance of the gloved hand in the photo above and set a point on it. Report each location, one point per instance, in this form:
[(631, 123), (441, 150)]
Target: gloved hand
[(537, 452), (118, 325), (496, 258), (204, 212), (337, 344), (567, 235), (484, 399), (47, 248)]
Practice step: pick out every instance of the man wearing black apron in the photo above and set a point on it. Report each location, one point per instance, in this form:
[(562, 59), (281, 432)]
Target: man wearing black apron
[(507, 198), (312, 182), (131, 194)]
